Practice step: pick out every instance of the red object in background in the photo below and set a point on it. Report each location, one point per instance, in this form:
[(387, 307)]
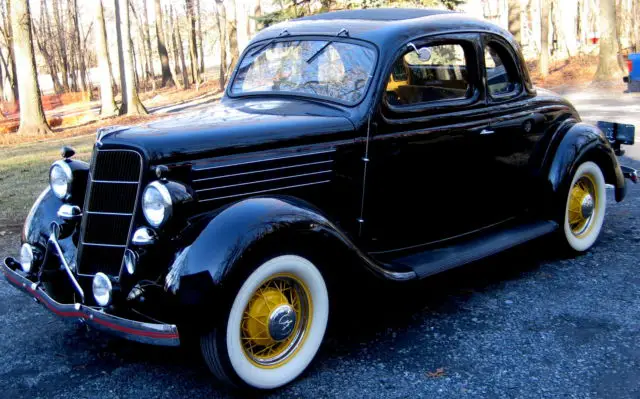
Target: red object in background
[(595, 40), (630, 66)]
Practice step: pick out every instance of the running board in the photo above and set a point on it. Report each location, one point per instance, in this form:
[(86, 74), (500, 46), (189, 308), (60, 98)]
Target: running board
[(436, 261)]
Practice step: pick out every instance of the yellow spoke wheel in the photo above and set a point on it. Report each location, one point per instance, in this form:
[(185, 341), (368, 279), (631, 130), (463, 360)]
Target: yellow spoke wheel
[(275, 321), (582, 206)]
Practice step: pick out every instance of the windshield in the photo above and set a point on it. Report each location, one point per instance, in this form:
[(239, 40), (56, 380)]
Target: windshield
[(334, 69)]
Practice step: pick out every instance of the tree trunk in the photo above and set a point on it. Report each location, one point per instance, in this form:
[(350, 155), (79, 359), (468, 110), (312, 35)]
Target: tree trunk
[(193, 45), (515, 22), (171, 40), (200, 37), (62, 44), (232, 32), (162, 47), (180, 49), (82, 66), (608, 66), (544, 38), (221, 20), (32, 118), (131, 104), (108, 107), (141, 56), (148, 44)]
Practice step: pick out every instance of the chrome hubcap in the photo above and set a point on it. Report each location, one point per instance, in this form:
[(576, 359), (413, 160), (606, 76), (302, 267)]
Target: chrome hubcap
[(587, 206), (281, 322)]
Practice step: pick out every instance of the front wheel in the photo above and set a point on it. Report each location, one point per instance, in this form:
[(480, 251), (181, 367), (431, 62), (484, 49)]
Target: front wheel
[(585, 207), (275, 325)]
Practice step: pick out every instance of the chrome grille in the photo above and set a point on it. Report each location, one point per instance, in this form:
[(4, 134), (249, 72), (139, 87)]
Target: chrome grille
[(110, 203)]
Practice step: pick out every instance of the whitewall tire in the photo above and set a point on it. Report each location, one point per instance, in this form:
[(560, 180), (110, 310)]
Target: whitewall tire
[(585, 207), (275, 326)]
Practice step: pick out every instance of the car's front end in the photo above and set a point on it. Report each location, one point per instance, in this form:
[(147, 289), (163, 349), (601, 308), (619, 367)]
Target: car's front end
[(86, 246)]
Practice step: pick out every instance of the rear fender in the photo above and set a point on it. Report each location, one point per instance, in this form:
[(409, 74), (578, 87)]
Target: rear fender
[(574, 145)]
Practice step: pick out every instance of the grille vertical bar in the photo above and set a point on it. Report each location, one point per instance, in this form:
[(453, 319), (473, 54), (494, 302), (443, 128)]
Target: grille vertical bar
[(110, 203)]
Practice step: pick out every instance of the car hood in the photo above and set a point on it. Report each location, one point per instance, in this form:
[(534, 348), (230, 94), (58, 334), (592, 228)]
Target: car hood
[(230, 127)]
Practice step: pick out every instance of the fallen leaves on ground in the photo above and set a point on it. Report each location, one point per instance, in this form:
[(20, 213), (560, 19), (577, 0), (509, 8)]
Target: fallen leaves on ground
[(436, 374)]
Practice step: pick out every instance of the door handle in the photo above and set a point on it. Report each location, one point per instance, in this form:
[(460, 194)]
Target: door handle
[(486, 132)]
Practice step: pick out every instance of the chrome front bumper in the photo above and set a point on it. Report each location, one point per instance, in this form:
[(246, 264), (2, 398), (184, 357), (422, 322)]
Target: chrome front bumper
[(148, 333)]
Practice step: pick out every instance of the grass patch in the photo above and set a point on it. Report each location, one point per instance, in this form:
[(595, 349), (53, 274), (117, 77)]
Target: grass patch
[(24, 174)]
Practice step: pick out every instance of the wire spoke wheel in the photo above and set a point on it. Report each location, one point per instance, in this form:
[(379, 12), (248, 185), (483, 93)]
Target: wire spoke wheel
[(275, 320), (583, 205)]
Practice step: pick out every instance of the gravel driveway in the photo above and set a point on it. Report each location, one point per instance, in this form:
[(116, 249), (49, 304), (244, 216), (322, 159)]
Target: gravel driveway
[(524, 324)]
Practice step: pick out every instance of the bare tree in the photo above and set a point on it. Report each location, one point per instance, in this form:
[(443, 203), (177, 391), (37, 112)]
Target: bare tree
[(170, 39), (62, 44), (109, 107), (608, 66), (221, 21), (200, 37), (147, 40), (232, 32), (177, 42), (131, 104), (515, 22), (32, 118), (9, 62), (193, 46), (544, 38), (162, 46)]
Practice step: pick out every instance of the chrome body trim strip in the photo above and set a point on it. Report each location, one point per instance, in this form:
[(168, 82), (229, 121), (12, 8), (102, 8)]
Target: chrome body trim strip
[(264, 181), (265, 191), (262, 171), (114, 181), (94, 244), (264, 160), (110, 213)]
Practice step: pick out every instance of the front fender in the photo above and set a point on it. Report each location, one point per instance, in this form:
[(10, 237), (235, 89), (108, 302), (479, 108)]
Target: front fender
[(580, 143), (220, 248), (37, 225)]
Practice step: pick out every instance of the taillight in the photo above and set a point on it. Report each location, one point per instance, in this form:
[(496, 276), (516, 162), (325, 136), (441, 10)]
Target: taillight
[(630, 65)]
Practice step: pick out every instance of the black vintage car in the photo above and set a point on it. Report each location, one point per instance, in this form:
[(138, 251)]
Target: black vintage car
[(390, 143)]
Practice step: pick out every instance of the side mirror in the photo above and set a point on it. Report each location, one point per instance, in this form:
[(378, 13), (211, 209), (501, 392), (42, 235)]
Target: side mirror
[(424, 54)]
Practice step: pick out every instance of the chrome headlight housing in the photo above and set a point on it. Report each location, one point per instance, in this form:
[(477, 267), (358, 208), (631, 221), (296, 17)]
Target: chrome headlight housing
[(60, 179), (157, 205)]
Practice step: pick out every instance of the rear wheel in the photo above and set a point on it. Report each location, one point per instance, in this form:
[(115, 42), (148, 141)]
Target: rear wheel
[(275, 326), (585, 207)]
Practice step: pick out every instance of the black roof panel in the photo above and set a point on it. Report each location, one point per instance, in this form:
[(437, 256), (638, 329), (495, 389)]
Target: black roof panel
[(377, 14)]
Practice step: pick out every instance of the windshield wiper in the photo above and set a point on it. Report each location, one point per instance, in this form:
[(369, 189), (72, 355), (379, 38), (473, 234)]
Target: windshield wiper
[(270, 42), (327, 44)]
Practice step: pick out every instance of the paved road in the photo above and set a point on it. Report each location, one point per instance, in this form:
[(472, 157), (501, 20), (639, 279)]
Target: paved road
[(525, 324)]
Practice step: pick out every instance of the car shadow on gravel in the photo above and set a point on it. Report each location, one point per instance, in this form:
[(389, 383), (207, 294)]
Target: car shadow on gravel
[(384, 307)]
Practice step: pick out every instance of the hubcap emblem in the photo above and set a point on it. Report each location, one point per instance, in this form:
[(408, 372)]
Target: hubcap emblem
[(587, 206), (281, 322)]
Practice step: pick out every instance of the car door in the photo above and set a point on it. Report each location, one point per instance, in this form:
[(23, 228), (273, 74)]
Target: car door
[(516, 128), (426, 178)]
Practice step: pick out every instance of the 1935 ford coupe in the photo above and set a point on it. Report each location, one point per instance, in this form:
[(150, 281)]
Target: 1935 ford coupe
[(394, 143)]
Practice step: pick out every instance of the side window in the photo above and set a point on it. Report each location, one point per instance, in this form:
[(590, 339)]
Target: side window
[(502, 77), (442, 77)]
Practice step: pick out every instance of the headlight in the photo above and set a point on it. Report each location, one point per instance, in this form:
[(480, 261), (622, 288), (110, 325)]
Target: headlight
[(26, 257), (60, 179), (156, 204)]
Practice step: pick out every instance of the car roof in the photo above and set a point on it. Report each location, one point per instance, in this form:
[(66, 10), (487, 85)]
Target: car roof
[(377, 14), (382, 26)]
